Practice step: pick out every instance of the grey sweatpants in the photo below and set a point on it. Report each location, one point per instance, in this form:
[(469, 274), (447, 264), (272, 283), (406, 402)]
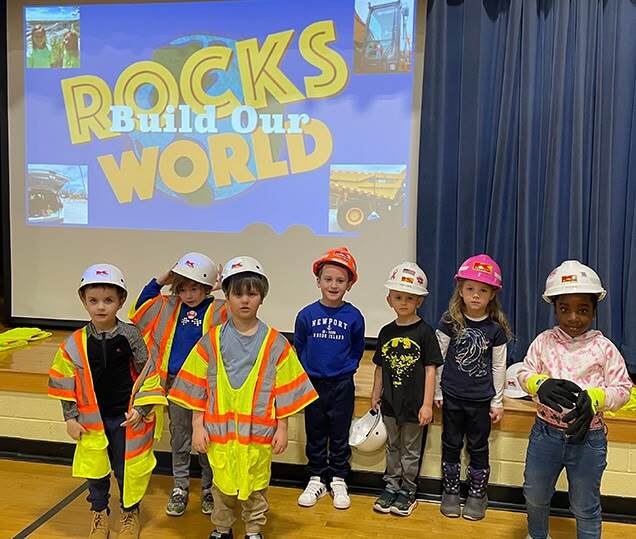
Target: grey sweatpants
[(181, 444), (403, 449)]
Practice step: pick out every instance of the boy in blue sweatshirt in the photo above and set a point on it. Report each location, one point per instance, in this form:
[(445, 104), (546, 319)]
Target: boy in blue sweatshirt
[(329, 340), (171, 326)]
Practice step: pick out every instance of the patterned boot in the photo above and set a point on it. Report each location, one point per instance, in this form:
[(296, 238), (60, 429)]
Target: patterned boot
[(450, 490), (477, 501)]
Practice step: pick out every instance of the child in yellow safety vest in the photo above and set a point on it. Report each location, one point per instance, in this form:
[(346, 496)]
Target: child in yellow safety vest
[(171, 325), (94, 374), (242, 380)]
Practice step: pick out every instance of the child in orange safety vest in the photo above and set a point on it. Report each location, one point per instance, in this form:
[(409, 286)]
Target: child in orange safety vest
[(242, 380), (171, 325), (94, 374)]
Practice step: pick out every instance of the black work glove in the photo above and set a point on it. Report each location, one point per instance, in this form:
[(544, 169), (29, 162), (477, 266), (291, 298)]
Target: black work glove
[(579, 419), (558, 394)]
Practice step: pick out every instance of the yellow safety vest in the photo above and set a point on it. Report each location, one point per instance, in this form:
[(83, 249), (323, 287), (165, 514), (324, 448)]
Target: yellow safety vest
[(70, 379), (241, 422)]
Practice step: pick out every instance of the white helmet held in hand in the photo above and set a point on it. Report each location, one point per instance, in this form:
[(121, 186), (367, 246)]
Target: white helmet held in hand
[(513, 388), (103, 274), (572, 277), (408, 277), (368, 433), (197, 267), (242, 264)]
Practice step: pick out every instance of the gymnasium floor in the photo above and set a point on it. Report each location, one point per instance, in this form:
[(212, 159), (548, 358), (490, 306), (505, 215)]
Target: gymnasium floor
[(43, 500)]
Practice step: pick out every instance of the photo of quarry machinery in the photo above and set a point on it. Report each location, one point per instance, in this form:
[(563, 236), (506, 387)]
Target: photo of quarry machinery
[(360, 196), (382, 43)]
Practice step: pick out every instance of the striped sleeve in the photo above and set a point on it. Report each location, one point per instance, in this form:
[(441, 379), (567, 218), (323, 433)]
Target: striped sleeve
[(190, 387), (146, 315), (292, 388), (62, 376), (148, 389)]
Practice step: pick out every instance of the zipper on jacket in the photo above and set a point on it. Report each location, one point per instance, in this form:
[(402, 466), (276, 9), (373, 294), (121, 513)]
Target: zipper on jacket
[(104, 349)]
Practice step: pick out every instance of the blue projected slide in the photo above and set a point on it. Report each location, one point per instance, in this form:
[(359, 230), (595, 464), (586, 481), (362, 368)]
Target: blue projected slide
[(229, 114)]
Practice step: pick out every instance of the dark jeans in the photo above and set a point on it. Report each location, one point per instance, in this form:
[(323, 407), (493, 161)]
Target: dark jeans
[(470, 419), (548, 453), (327, 423), (98, 489)]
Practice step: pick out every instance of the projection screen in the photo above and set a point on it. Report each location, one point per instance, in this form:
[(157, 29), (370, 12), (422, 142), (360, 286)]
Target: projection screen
[(139, 131)]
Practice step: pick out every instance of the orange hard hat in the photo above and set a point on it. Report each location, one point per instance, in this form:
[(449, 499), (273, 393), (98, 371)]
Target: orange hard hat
[(340, 256)]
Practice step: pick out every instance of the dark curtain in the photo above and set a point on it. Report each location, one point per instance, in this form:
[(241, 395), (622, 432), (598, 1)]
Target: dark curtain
[(528, 153)]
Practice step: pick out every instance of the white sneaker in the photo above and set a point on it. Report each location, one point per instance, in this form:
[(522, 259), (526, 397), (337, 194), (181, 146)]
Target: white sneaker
[(314, 490), (341, 498)]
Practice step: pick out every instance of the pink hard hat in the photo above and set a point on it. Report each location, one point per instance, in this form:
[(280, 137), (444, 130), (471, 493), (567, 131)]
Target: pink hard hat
[(480, 268)]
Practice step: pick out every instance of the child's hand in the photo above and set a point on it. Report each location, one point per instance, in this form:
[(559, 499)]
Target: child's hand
[(74, 428), (200, 440), (425, 415), (132, 419), (165, 279), (496, 414), (217, 284), (375, 402), (439, 403), (279, 441)]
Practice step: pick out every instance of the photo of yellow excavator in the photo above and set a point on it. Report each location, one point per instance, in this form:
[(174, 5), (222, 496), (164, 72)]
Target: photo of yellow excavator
[(382, 37)]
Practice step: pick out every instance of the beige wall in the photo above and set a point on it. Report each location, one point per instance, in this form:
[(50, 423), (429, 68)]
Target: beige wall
[(38, 417)]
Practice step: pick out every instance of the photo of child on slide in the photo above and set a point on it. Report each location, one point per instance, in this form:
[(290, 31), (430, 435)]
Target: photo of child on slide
[(52, 37)]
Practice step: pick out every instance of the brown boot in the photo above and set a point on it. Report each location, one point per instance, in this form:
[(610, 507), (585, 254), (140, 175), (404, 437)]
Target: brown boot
[(130, 525), (99, 525)]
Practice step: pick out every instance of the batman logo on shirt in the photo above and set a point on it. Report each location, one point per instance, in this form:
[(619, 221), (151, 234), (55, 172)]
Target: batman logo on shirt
[(401, 354)]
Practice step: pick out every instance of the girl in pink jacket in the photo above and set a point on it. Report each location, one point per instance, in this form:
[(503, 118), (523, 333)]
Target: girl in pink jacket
[(574, 373)]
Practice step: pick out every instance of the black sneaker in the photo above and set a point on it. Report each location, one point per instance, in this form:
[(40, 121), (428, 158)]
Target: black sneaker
[(216, 534), (404, 504), (385, 501)]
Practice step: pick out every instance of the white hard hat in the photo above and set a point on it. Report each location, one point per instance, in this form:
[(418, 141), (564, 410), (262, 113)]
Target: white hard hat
[(572, 277), (513, 388), (103, 274), (197, 267), (368, 433), (242, 264), (408, 277)]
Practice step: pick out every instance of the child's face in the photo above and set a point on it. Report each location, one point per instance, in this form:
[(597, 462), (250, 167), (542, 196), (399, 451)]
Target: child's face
[(333, 283), (403, 303), (39, 39), (476, 297), (244, 304), (574, 313), (102, 304), (192, 294)]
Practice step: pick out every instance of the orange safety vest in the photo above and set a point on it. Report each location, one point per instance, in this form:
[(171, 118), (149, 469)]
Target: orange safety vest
[(241, 422), (70, 379), (157, 320)]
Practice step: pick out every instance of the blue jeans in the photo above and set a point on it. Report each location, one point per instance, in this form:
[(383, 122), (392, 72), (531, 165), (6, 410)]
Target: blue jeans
[(548, 453), (98, 489)]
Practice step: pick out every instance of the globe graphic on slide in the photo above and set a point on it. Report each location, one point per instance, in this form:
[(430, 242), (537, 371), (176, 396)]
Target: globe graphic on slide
[(173, 56)]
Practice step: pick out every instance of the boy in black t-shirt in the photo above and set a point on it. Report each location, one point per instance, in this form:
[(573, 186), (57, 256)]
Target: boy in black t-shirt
[(406, 357)]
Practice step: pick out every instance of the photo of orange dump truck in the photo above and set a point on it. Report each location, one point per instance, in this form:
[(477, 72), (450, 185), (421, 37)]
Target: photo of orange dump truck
[(362, 194)]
